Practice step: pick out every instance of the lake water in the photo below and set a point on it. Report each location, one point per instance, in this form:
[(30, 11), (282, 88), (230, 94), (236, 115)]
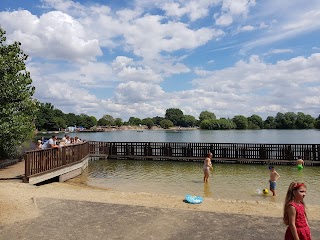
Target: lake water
[(227, 181), (209, 136)]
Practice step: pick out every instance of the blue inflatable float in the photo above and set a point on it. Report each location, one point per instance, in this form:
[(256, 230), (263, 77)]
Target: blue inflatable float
[(193, 199)]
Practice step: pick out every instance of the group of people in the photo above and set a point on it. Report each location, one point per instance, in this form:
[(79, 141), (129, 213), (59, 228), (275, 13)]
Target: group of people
[(54, 143), (294, 215)]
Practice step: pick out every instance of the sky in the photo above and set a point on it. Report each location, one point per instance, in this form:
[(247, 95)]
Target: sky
[(138, 58)]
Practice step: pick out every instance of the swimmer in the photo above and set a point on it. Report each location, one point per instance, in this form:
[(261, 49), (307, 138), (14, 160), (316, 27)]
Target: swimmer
[(300, 163)]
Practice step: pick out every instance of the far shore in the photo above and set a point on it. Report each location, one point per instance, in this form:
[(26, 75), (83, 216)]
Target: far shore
[(122, 128)]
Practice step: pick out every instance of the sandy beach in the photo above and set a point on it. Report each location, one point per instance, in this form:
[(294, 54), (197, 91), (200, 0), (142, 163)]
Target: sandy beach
[(30, 211), (18, 201)]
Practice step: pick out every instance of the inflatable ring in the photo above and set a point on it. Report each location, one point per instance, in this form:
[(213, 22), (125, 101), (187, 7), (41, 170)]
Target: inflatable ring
[(193, 199)]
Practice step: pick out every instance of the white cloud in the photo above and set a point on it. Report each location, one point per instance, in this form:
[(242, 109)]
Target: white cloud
[(127, 70), (193, 9), (54, 35), (224, 20), (135, 92), (260, 85), (278, 51), (231, 10), (247, 28), (148, 37)]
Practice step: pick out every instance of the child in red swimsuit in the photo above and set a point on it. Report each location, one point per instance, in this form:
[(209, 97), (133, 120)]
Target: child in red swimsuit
[(294, 213)]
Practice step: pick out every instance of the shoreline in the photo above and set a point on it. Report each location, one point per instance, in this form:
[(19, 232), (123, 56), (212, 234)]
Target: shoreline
[(18, 201)]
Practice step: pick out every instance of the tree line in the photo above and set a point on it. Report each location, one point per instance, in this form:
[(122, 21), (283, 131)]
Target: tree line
[(21, 114), (49, 118)]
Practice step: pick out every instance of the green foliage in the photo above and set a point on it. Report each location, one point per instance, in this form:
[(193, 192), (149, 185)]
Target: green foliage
[(102, 122), (109, 119), (269, 123), (175, 115), (148, 122), (134, 121), (206, 115), (240, 121), (166, 124), (118, 122), (88, 121), (226, 124), (188, 121), (317, 122), (255, 122), (304, 121), (217, 124), (157, 120), (17, 109)]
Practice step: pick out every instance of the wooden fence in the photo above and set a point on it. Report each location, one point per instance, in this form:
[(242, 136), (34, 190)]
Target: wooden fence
[(46, 160), (43, 161), (165, 150)]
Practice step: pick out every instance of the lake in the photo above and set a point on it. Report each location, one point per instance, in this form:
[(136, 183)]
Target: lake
[(208, 136), (227, 181)]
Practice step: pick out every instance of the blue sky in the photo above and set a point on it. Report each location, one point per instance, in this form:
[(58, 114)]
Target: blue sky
[(139, 58)]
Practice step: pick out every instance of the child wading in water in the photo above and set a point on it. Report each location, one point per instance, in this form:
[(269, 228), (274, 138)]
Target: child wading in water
[(207, 165), (274, 176), (294, 213)]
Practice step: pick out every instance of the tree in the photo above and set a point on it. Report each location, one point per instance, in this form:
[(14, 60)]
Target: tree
[(71, 119), (44, 117), (148, 122), (206, 115), (317, 122), (157, 120), (290, 119), (226, 124), (304, 121), (188, 121), (109, 118), (255, 122), (165, 123), (102, 122), (269, 123), (240, 121), (118, 122), (134, 121), (17, 107), (175, 115), (88, 121)]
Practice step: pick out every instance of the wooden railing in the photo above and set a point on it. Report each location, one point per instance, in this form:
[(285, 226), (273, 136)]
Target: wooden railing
[(166, 150), (42, 161), (46, 160)]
